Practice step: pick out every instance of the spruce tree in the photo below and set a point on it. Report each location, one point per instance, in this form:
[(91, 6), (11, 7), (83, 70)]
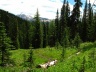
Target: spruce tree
[(94, 23), (37, 40), (57, 29), (62, 19), (90, 28), (67, 14), (84, 23), (30, 58), (5, 46), (75, 18)]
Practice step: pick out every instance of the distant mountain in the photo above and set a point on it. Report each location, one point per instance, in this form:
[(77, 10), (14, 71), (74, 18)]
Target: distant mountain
[(30, 18), (25, 17)]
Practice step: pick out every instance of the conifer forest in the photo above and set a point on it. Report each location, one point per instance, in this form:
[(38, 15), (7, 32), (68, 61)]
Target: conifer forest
[(69, 40)]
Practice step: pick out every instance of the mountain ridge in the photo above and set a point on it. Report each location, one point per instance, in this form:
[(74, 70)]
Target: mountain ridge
[(30, 18)]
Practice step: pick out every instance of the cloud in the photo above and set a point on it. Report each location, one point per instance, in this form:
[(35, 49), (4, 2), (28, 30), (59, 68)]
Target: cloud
[(47, 8)]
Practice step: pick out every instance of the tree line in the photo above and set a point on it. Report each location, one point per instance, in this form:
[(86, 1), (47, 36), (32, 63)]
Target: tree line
[(41, 34)]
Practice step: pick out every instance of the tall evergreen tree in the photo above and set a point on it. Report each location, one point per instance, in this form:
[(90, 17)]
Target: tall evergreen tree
[(30, 58), (5, 46), (67, 14), (57, 28), (94, 22), (74, 19), (83, 32), (37, 39), (63, 19), (90, 23), (45, 34)]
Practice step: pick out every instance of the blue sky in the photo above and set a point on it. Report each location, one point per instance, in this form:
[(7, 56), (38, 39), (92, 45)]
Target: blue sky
[(47, 8)]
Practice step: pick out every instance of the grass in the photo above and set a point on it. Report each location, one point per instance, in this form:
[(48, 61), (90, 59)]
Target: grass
[(71, 63)]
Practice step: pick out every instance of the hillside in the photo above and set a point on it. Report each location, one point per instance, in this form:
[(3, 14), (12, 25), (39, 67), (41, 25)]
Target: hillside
[(73, 61)]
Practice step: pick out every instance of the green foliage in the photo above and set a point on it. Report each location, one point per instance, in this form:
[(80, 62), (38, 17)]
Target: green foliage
[(77, 41), (63, 20), (83, 29), (37, 39), (41, 35), (65, 31), (75, 18), (72, 62), (57, 29), (82, 68), (63, 54), (52, 34), (30, 58), (65, 39), (5, 46)]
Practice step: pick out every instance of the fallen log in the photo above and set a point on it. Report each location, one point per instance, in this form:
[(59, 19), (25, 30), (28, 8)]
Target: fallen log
[(46, 65), (42, 65), (51, 63)]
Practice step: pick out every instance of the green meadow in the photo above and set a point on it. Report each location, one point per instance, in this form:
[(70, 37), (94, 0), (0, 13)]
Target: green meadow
[(74, 60)]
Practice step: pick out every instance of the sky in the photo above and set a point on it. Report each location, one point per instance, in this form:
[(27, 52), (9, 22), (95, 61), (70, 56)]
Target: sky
[(47, 8)]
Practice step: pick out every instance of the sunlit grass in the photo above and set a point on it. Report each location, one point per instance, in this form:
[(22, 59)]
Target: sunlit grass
[(71, 63)]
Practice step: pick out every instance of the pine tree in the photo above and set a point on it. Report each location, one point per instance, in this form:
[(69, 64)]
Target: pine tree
[(37, 40), (44, 34), (57, 29), (94, 25), (30, 58), (84, 23), (62, 19), (90, 28), (74, 18), (5, 46), (67, 14)]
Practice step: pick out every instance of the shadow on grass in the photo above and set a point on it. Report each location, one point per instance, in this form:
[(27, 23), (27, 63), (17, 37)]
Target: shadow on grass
[(88, 47)]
